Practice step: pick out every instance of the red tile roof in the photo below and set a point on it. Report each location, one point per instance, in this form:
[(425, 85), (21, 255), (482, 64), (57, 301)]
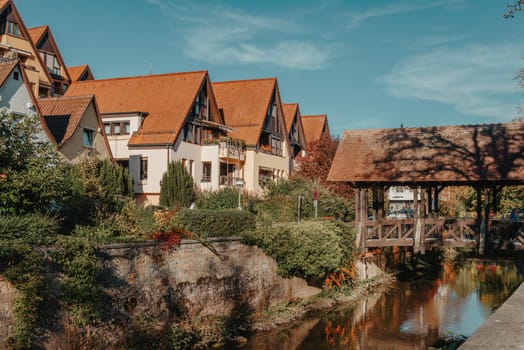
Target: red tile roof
[(245, 104), (6, 67), (313, 127), (167, 98), (3, 3), (76, 72), (36, 33), (453, 154), (290, 111), (73, 106)]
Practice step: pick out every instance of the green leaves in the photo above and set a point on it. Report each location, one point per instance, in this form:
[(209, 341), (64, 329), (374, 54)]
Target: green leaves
[(176, 188), (33, 176), (310, 250)]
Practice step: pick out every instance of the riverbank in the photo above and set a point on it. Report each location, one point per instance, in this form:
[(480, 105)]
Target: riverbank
[(504, 329), (288, 316)]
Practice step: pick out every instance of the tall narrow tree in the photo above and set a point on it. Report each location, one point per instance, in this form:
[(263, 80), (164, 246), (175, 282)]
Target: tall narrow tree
[(177, 187)]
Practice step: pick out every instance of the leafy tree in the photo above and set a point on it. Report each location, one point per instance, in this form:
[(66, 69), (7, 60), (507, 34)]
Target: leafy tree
[(176, 188), (33, 175), (99, 189), (317, 163)]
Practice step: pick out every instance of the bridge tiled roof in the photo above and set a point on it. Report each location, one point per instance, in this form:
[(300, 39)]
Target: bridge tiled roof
[(446, 154)]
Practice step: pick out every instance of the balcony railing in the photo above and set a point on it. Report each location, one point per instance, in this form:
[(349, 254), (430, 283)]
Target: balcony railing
[(229, 180), (231, 152)]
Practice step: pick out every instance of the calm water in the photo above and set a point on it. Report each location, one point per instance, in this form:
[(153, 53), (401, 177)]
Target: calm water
[(407, 316)]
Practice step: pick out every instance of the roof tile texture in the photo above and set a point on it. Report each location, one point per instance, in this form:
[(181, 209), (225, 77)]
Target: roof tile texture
[(313, 126), (5, 70), (74, 106), (245, 104), (470, 153), (76, 72), (36, 33), (167, 98)]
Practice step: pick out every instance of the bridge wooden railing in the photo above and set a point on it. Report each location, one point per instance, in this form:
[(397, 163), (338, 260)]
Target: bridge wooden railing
[(434, 232)]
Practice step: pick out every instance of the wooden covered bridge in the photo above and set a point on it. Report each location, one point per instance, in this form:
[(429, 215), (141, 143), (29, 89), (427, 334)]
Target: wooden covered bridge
[(429, 159)]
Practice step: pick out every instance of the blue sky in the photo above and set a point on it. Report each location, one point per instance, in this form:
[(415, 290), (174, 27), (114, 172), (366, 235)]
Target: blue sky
[(366, 64)]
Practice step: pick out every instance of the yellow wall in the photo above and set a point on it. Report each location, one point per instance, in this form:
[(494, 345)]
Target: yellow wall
[(74, 149), (36, 73)]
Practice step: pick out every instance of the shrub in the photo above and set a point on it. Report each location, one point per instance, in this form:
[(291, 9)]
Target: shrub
[(225, 198), (78, 261), (282, 197), (214, 223), (310, 249), (33, 176), (23, 267), (176, 188), (31, 228)]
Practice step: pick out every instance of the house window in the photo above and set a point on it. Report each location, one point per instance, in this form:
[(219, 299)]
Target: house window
[(16, 75), (117, 128), (143, 168), (13, 29), (88, 137), (206, 171)]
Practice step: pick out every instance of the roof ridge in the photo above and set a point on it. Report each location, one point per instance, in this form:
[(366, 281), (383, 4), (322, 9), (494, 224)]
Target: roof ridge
[(315, 116), (415, 128), (59, 98), (141, 76), (38, 27), (243, 80)]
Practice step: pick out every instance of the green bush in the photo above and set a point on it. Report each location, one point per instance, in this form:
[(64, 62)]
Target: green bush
[(225, 198), (31, 228), (281, 202), (177, 187), (23, 266), (33, 175), (81, 272), (310, 249), (214, 223)]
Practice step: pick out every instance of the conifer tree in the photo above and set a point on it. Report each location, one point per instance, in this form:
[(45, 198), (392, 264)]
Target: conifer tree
[(176, 188)]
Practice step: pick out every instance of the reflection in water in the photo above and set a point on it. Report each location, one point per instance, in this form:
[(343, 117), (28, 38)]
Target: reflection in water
[(407, 317)]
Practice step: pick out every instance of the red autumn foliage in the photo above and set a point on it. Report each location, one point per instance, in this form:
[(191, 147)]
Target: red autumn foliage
[(317, 163)]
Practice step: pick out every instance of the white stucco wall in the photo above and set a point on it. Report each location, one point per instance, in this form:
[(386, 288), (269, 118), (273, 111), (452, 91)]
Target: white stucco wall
[(255, 160), (209, 153), (15, 97), (118, 143)]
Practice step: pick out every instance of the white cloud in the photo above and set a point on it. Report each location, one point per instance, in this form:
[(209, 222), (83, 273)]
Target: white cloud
[(357, 19), (476, 80), (221, 35)]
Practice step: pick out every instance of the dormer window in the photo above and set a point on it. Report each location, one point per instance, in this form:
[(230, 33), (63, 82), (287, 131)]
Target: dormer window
[(13, 29), (51, 62), (200, 107)]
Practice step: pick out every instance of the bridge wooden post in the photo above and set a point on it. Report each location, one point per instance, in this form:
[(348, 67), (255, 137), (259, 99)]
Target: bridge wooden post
[(361, 217), (416, 217)]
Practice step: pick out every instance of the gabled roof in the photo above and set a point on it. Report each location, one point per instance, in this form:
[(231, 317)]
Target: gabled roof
[(167, 98), (6, 67), (76, 72), (290, 112), (446, 154), (25, 34), (245, 104), (37, 34), (69, 110), (314, 126)]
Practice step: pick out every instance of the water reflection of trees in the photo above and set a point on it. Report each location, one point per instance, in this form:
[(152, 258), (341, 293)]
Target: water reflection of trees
[(412, 317)]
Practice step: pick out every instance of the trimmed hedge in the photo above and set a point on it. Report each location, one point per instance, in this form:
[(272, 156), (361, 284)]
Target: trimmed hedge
[(215, 223), (310, 249)]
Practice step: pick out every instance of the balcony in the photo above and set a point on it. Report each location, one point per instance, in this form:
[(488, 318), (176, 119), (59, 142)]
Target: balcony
[(231, 152), (230, 180)]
